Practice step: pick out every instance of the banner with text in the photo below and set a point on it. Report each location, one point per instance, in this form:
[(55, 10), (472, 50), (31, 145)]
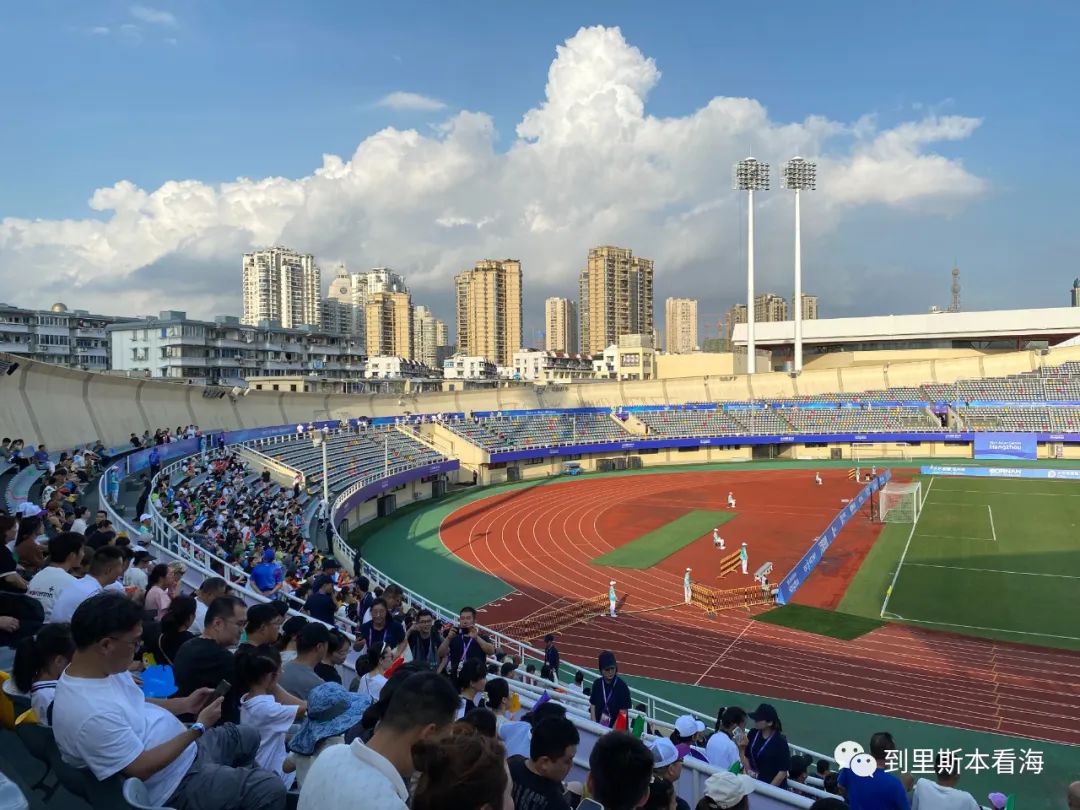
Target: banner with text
[(1006, 445)]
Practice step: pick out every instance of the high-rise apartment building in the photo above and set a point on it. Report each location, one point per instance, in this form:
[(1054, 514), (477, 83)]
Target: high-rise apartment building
[(282, 285), (354, 290), (489, 310), (430, 338), (680, 324), (616, 297), (735, 315), (770, 307), (389, 321), (561, 325), (809, 307)]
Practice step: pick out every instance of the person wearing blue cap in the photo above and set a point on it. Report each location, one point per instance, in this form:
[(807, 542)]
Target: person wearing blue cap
[(267, 577), (610, 694)]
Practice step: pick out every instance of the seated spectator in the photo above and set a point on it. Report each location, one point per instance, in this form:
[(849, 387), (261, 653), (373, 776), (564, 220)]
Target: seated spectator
[(371, 668), (381, 630), (497, 694), (464, 642), (159, 591), (726, 791), (461, 769), (482, 721), (508, 670), (610, 694), (210, 589), (727, 746), (298, 677), (824, 768), (39, 662), (471, 680), (176, 627), (331, 711), (263, 626), (662, 796), (205, 661), (336, 653), (828, 804), (667, 764), (10, 579), (137, 573), (105, 569), (321, 605), (537, 780), (578, 684), (620, 769), (102, 722), (422, 705), (689, 737), (424, 641), (290, 631), (65, 553), (942, 794), (268, 576), (880, 791), (767, 750), (262, 709)]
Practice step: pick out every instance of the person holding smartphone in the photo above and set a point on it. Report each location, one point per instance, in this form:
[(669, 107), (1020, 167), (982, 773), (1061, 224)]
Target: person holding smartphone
[(610, 694), (727, 747)]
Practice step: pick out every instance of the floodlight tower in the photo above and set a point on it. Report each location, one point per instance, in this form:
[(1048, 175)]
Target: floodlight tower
[(750, 175), (799, 175)]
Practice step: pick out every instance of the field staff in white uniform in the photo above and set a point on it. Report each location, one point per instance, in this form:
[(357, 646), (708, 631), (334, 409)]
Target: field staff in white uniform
[(686, 589), (730, 501), (717, 540), (611, 597), (817, 479), (744, 558)]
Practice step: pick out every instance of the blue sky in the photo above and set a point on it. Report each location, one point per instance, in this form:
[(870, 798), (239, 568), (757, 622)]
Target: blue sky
[(209, 92)]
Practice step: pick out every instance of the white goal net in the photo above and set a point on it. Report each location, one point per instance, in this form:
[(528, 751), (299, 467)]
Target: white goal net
[(900, 503)]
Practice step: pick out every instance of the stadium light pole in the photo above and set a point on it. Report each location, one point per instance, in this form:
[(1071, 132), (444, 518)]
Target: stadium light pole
[(799, 175), (319, 441), (750, 175)]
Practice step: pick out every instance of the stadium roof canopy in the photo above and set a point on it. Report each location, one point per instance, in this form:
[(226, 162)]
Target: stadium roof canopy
[(1008, 328)]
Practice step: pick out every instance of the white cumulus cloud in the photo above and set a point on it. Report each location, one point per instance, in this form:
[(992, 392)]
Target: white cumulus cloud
[(589, 165), (153, 16), (402, 100)]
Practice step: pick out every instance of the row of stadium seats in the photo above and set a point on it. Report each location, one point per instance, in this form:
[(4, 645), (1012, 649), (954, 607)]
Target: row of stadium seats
[(542, 430)]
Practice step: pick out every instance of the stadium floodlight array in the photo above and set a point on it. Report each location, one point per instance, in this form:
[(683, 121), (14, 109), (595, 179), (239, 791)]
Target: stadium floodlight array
[(750, 175), (799, 175)]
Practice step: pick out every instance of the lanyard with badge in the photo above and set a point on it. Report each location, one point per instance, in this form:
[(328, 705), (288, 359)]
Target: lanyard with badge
[(755, 754), (605, 715)]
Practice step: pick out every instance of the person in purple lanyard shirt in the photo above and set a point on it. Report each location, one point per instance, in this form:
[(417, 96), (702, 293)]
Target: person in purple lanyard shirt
[(767, 748), (380, 630), (610, 694), (465, 641)]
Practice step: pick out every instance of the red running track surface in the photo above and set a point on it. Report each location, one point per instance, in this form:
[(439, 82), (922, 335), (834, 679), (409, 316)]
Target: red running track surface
[(541, 540)]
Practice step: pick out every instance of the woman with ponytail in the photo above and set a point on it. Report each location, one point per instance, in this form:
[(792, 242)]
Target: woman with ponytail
[(175, 626), (39, 661), (461, 770), (267, 707)]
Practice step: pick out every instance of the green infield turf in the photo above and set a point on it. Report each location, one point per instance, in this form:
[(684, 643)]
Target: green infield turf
[(649, 549), (830, 623), (998, 558)]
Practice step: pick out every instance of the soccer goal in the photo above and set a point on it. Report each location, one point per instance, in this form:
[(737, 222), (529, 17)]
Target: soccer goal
[(900, 503)]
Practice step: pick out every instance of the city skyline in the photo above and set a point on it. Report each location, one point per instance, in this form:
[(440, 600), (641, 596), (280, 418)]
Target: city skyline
[(915, 164)]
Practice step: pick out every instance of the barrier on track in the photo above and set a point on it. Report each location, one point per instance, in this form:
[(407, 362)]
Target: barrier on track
[(554, 618), (714, 600), (729, 564)]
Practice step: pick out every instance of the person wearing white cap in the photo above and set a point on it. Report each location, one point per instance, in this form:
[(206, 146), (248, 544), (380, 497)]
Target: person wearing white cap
[(744, 557), (727, 791), (612, 599), (731, 500), (667, 765), (144, 523), (687, 590), (717, 540)]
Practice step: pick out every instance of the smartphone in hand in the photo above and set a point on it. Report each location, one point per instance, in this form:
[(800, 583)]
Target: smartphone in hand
[(220, 690)]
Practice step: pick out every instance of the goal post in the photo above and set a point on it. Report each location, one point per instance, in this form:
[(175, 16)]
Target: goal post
[(900, 503)]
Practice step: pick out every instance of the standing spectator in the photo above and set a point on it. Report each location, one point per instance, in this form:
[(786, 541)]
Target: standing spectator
[(106, 568), (320, 605), (767, 750), (550, 670), (610, 694), (880, 791), (727, 746), (39, 662), (538, 779), (421, 706), (942, 795), (298, 677), (210, 589), (154, 460), (381, 630), (263, 709), (464, 770), (465, 641), (65, 552), (424, 641), (204, 662), (103, 722), (727, 791), (620, 769)]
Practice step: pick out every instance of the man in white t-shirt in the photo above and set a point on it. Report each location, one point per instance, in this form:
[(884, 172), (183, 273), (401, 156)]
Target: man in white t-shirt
[(102, 722), (65, 552), (374, 775), (105, 569), (943, 795)]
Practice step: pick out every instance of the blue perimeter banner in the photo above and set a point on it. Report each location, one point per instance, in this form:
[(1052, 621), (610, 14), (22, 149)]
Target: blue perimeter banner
[(798, 575), (1002, 472), (1006, 445)]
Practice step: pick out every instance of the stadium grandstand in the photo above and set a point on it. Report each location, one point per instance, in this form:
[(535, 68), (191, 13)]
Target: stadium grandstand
[(263, 492)]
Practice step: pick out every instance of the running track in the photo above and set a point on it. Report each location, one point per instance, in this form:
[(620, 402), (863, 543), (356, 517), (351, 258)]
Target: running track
[(540, 540)]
